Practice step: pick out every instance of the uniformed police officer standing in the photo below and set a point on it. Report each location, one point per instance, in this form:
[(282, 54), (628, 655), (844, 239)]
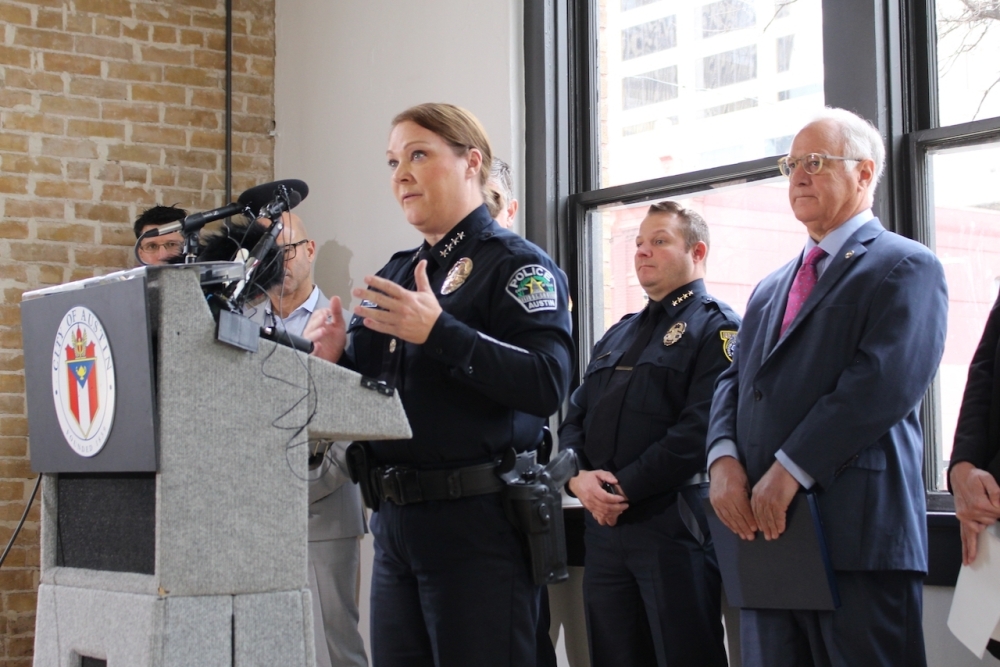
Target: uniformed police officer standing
[(472, 328), (651, 582)]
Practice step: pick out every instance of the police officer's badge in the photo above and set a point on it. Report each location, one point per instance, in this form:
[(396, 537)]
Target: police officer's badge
[(457, 276), (728, 343), (534, 287), (674, 333)]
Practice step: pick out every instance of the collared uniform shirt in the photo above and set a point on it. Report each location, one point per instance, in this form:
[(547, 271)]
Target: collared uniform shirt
[(498, 360), (664, 417)]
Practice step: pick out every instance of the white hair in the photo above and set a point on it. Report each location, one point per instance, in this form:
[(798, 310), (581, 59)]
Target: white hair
[(861, 138)]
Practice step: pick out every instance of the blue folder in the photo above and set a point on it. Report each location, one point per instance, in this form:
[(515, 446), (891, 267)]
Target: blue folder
[(791, 572)]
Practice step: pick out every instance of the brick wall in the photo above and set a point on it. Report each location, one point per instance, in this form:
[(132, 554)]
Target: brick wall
[(106, 107)]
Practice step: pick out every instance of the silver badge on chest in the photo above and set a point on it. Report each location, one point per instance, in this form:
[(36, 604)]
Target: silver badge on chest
[(457, 276)]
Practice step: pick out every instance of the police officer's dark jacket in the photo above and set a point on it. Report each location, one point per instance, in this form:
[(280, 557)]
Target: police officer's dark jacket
[(664, 417), (498, 360)]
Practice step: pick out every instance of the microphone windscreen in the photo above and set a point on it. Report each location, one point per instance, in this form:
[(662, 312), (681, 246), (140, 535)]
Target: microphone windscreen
[(261, 195), (232, 241)]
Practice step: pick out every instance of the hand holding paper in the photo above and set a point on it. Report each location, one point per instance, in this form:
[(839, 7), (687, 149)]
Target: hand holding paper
[(975, 609)]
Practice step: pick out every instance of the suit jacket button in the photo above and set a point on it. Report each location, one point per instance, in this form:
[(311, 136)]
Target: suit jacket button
[(757, 395)]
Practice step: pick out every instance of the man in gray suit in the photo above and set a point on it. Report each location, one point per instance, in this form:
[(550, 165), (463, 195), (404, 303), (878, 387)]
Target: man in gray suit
[(336, 519)]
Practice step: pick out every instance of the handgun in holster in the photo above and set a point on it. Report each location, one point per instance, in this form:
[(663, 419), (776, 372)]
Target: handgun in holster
[(361, 465), (533, 502)]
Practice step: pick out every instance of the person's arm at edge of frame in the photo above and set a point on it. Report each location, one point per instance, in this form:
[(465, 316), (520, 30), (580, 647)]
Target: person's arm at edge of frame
[(977, 495)]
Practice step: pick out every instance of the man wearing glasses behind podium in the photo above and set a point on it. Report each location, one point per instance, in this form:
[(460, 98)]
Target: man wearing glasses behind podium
[(159, 249)]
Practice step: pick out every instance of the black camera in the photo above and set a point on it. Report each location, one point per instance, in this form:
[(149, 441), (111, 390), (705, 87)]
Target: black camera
[(533, 502)]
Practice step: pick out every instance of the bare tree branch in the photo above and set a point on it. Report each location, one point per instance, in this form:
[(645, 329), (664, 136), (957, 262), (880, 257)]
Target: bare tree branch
[(983, 98), (983, 9), (777, 10), (976, 18)]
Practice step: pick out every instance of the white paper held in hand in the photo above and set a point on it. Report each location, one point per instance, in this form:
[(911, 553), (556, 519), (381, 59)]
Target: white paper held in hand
[(975, 610)]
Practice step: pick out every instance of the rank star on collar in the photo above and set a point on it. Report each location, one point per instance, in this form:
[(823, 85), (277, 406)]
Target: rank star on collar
[(452, 243), (682, 298)]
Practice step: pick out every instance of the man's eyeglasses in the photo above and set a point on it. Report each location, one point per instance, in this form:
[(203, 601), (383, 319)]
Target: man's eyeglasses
[(153, 248), (812, 163), (289, 249)]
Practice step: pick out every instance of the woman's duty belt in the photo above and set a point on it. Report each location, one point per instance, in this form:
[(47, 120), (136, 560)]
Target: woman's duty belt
[(404, 486)]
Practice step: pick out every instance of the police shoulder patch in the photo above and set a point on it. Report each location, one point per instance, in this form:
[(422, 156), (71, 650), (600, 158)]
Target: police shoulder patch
[(728, 343), (534, 287)]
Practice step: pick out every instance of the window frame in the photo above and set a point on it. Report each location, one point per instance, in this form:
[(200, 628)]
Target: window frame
[(920, 144), (898, 94)]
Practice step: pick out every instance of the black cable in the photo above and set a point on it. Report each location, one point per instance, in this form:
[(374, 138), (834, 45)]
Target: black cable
[(229, 101), (38, 482), (310, 397)]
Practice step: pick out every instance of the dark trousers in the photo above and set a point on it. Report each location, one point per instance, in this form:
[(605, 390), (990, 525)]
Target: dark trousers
[(879, 622), (652, 590), (450, 587), (546, 651)]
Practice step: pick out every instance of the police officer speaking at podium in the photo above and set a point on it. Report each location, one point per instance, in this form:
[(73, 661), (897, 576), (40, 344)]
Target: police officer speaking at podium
[(638, 421), (472, 329)]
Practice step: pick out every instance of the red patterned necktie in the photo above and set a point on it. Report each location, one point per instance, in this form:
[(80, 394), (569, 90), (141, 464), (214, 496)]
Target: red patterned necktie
[(803, 284)]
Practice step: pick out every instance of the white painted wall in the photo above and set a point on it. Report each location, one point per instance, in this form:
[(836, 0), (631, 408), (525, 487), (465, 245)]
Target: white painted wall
[(343, 69)]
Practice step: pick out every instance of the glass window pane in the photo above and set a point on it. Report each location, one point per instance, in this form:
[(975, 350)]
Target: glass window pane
[(649, 37), (728, 67), (967, 238), (632, 4), (727, 15), (693, 85), (968, 53), (649, 87), (753, 232)]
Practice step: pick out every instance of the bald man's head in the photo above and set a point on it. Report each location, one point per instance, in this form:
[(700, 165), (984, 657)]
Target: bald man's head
[(294, 229), (300, 252)]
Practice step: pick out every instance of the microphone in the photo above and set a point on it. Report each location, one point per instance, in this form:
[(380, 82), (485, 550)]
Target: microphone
[(196, 220), (265, 198), (282, 196)]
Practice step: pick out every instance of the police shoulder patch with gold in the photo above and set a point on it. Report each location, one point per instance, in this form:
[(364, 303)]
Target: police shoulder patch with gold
[(534, 287), (674, 333), (728, 343), (457, 276)]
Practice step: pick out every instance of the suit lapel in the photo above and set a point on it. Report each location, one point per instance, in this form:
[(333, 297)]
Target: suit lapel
[(839, 265)]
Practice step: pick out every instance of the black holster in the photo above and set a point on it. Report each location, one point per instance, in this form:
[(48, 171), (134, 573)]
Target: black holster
[(533, 502), (361, 466)]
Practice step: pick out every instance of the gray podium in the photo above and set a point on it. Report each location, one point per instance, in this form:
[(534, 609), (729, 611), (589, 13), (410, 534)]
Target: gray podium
[(202, 560)]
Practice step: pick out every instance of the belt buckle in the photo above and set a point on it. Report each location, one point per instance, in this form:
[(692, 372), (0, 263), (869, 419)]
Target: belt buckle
[(401, 485)]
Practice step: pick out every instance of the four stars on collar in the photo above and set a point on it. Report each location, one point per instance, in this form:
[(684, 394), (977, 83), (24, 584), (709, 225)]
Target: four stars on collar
[(452, 244), (682, 298)]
